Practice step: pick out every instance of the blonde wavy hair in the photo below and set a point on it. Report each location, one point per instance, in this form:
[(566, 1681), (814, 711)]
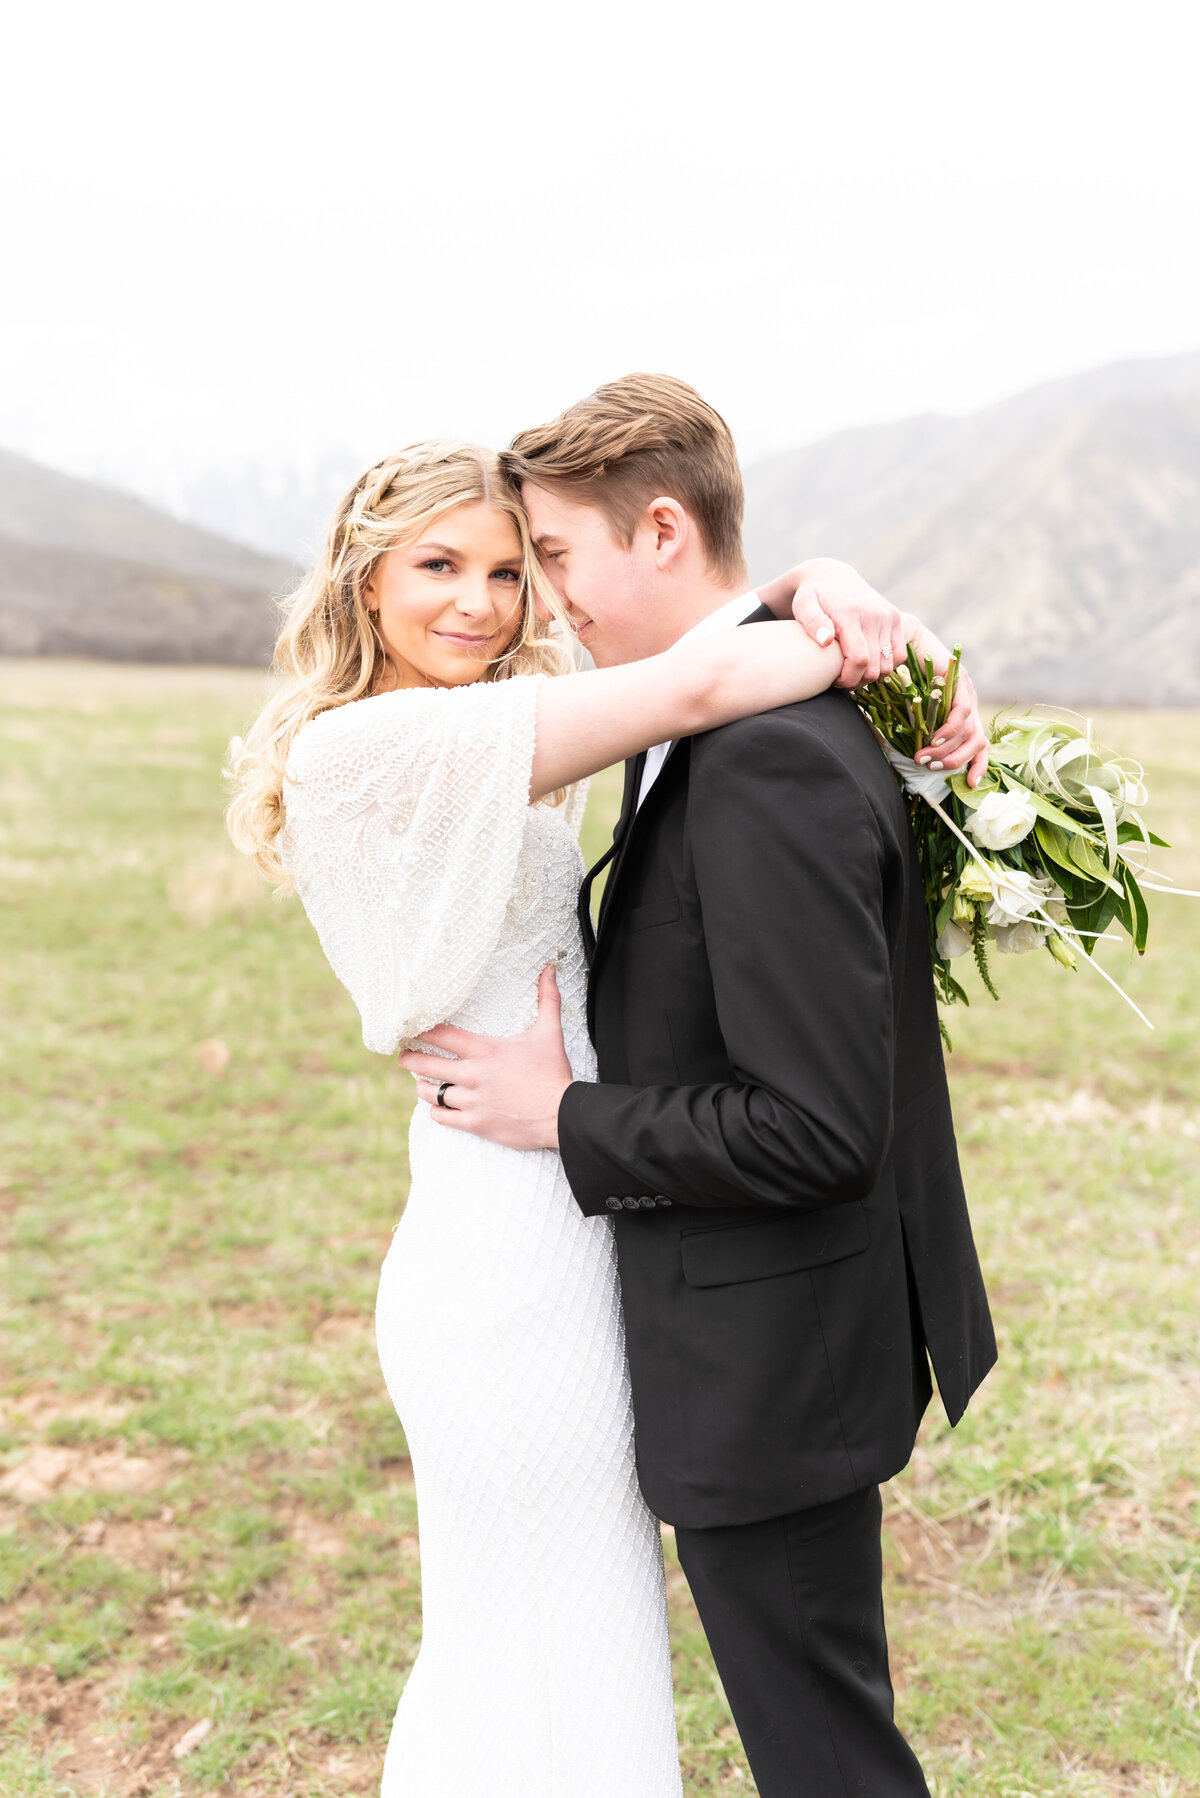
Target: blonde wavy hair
[(329, 652)]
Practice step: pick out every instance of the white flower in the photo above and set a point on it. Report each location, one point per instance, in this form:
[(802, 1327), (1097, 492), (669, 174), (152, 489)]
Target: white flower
[(975, 882), (1018, 896), (1018, 939), (1063, 952), (1002, 819), (953, 941)]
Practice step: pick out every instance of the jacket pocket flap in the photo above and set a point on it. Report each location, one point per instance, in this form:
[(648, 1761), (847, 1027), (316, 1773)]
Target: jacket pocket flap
[(728, 1253), (660, 911)]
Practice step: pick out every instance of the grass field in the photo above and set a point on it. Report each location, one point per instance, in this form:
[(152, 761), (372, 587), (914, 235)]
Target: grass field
[(208, 1552)]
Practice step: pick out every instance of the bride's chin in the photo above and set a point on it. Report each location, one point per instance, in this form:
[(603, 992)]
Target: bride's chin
[(464, 673)]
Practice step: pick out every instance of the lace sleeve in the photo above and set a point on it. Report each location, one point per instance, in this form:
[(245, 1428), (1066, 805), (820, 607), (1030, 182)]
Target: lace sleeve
[(405, 816), (574, 806)]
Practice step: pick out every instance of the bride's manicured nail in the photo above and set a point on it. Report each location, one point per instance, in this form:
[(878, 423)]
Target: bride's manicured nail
[(936, 765), (824, 635)]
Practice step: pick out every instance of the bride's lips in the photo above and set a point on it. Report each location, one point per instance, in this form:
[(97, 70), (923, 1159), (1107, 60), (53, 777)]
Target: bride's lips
[(462, 642)]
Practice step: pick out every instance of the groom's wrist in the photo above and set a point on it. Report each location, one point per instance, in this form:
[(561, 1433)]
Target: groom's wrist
[(553, 1126)]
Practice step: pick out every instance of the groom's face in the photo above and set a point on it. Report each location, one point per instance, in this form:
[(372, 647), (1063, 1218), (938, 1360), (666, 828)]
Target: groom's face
[(610, 593)]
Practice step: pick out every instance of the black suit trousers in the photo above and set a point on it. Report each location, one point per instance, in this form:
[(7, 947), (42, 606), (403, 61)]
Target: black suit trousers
[(793, 1611)]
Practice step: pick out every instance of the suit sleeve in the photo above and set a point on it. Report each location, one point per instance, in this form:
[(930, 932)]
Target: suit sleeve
[(789, 862)]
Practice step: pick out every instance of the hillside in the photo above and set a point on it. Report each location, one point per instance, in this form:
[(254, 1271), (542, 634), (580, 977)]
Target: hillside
[(1056, 534), (87, 571)]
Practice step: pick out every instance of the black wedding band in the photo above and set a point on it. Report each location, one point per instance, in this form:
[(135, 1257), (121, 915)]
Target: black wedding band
[(443, 1089)]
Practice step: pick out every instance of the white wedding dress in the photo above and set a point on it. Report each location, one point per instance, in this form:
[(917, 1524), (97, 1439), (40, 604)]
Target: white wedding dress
[(439, 894)]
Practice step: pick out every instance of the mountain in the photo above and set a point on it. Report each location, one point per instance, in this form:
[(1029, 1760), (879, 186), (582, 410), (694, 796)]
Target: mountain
[(1057, 535), (88, 571)]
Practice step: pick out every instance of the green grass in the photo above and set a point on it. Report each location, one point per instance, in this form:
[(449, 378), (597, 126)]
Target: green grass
[(206, 1507)]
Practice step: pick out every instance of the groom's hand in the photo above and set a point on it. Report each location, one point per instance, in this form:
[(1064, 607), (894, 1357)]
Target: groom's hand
[(506, 1088)]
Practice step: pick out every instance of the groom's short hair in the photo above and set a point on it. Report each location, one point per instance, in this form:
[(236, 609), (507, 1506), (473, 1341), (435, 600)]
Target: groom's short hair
[(632, 441)]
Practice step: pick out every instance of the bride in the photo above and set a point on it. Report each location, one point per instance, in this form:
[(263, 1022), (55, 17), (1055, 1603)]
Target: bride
[(417, 776)]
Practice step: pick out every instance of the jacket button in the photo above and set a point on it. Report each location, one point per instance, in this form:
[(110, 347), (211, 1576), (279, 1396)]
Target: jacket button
[(646, 1202), (613, 1204), (630, 1204), (661, 1199)]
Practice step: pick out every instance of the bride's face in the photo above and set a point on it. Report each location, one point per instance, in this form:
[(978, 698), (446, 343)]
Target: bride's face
[(449, 602)]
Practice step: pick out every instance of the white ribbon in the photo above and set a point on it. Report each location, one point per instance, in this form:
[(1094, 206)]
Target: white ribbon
[(923, 783)]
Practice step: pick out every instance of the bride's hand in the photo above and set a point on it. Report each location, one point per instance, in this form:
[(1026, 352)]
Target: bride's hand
[(831, 599), (962, 741)]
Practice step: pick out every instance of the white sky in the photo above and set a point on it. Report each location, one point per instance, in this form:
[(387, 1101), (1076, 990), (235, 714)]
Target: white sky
[(264, 230)]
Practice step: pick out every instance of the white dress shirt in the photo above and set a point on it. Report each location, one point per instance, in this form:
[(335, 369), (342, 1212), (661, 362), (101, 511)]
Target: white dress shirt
[(735, 612)]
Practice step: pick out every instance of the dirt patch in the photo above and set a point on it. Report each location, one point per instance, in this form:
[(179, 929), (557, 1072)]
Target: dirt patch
[(320, 1540), (145, 1545), (41, 1406), (930, 1553), (350, 1326), (48, 1469), (76, 1735), (997, 1070), (258, 1314)]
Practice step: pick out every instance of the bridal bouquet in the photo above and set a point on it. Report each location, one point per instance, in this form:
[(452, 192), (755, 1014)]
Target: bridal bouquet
[(1047, 852)]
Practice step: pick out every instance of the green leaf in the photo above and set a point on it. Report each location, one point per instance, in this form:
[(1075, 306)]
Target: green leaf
[(1086, 859), (1129, 832), (1055, 845), (971, 796), (1139, 929), (1094, 917)]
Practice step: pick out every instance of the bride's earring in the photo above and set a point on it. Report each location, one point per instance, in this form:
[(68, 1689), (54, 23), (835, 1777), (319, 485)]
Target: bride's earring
[(372, 620)]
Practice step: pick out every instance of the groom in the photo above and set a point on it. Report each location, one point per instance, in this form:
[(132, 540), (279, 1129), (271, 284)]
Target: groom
[(771, 1130)]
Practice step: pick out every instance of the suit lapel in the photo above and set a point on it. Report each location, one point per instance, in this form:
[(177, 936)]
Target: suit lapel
[(634, 770), (633, 780), (627, 824), (637, 819)]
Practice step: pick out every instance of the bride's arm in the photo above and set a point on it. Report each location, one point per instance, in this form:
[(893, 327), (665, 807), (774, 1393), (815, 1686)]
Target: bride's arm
[(832, 600), (585, 722)]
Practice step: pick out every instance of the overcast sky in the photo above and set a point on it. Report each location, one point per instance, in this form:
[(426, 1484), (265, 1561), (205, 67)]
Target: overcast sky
[(276, 231)]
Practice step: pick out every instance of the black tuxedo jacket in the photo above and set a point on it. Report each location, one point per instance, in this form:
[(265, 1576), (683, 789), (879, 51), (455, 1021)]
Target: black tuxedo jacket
[(772, 1127)]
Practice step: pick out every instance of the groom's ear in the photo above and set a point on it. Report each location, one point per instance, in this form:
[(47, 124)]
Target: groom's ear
[(672, 529)]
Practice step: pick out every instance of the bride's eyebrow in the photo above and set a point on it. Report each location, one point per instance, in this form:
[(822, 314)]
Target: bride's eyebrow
[(444, 549)]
